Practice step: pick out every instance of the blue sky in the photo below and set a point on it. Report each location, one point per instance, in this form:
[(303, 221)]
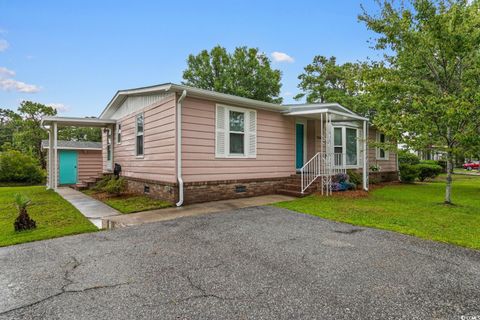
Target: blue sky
[(76, 54)]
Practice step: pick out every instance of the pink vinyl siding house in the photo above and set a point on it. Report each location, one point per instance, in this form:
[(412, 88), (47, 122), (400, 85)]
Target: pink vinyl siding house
[(190, 145)]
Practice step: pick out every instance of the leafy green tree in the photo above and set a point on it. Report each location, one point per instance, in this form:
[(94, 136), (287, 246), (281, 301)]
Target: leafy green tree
[(8, 119), (246, 73), (28, 136), (80, 134), (325, 81), (431, 90)]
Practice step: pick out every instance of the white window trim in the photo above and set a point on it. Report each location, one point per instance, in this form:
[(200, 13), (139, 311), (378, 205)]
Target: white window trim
[(377, 149), (139, 156), (118, 130), (228, 155), (344, 146), (109, 145)]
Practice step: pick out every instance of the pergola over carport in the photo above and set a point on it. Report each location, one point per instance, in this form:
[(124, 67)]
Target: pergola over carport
[(52, 124)]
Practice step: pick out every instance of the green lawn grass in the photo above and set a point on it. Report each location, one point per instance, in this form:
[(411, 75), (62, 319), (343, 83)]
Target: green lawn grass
[(130, 203), (416, 210), (55, 217)]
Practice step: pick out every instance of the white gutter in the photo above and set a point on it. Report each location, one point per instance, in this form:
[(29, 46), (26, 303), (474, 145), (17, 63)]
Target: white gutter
[(179, 148)]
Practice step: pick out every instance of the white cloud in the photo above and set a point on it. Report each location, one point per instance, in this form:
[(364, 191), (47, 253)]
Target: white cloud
[(3, 45), (7, 83), (287, 94), (282, 57), (4, 73), (60, 107), (15, 85)]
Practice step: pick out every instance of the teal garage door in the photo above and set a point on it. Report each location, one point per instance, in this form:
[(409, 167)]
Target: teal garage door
[(68, 166)]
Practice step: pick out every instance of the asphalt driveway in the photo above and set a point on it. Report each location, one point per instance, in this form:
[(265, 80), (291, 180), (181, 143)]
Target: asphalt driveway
[(253, 263)]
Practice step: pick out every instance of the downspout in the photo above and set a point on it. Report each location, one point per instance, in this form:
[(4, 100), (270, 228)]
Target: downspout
[(179, 148)]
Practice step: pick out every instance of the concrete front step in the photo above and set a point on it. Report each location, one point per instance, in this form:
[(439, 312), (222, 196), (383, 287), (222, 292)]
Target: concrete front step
[(296, 187), (79, 186)]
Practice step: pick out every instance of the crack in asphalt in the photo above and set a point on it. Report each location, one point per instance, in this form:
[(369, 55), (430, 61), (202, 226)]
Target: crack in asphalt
[(206, 294), (350, 231), (64, 288)]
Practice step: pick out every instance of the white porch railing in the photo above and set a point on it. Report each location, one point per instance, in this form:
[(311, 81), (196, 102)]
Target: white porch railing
[(323, 165)]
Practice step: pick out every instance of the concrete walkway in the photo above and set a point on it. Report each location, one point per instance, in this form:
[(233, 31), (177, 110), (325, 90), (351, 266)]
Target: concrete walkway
[(132, 219), (91, 208)]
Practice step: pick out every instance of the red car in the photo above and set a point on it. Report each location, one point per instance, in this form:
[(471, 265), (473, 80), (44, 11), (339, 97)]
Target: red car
[(472, 165)]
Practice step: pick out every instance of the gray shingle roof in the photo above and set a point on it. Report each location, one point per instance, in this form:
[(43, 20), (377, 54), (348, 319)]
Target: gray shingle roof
[(63, 144)]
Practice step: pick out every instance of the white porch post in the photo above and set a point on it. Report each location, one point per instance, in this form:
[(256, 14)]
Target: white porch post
[(365, 154), (55, 155), (50, 159)]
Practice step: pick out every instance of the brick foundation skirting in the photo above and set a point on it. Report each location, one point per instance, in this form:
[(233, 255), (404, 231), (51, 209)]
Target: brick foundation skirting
[(156, 189), (197, 192), (387, 176)]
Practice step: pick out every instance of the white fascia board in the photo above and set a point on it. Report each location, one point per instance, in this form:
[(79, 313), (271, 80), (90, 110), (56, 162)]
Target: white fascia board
[(354, 116), (317, 106), (73, 148), (72, 121), (319, 111)]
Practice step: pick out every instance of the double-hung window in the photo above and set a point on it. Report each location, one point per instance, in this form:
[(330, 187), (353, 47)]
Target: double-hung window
[(119, 133), (345, 146), (235, 132), (382, 154), (236, 121), (139, 133)]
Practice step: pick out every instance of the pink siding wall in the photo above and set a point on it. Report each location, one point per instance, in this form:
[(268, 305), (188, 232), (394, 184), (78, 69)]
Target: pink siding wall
[(311, 137), (385, 165), (158, 162), (89, 164), (275, 146)]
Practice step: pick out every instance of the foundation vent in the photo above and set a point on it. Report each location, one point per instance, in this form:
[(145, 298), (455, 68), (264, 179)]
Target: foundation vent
[(240, 189)]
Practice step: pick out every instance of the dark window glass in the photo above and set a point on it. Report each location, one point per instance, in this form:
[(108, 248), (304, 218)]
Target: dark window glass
[(381, 152), (119, 133), (237, 121), (337, 136), (351, 141), (139, 145), (139, 130), (140, 123), (237, 143)]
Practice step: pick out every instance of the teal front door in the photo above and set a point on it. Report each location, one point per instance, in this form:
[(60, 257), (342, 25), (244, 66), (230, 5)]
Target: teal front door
[(68, 166), (299, 144)]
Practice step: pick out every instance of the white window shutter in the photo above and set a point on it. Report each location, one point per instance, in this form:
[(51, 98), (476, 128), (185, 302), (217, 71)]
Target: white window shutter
[(251, 130), (220, 132)]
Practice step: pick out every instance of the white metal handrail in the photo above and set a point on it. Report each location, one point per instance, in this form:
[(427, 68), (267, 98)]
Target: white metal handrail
[(323, 165)]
